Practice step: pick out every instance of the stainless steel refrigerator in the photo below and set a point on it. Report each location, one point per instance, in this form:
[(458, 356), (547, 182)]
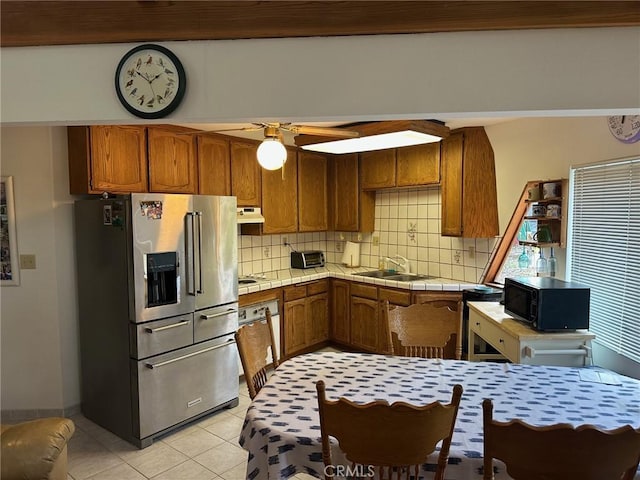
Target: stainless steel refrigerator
[(158, 293)]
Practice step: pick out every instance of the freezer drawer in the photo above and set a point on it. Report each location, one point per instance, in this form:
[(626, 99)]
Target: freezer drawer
[(213, 322), (179, 385), (154, 338)]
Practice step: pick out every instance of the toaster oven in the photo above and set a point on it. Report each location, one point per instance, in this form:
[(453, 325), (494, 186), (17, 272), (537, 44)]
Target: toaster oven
[(308, 259)]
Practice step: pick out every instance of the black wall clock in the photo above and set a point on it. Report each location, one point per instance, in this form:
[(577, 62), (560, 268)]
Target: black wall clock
[(150, 81)]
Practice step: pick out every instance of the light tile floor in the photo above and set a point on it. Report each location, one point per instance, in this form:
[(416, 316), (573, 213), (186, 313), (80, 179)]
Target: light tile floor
[(205, 450)]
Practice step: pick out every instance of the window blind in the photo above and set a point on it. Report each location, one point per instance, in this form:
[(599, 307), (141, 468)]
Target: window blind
[(604, 249)]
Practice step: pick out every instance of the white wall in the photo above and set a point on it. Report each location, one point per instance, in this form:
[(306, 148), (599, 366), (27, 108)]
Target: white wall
[(342, 78), (38, 317)]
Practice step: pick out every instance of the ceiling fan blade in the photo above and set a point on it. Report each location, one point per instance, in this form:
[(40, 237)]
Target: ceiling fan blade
[(323, 131)]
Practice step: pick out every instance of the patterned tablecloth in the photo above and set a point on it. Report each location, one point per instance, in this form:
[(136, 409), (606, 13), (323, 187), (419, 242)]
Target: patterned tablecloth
[(281, 430)]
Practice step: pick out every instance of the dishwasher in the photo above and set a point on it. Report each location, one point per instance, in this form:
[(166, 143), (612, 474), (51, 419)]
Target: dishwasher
[(257, 312)]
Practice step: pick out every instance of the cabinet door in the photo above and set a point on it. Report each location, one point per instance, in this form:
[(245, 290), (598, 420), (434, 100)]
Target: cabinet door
[(364, 323), (312, 192), (280, 197), (317, 328), (214, 165), (294, 326), (352, 210), (418, 165), (479, 199), (245, 174), (340, 321), (452, 184), (118, 159), (172, 161), (378, 169)]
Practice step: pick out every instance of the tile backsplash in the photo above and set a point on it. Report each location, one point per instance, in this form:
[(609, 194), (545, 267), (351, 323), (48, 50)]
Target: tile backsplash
[(407, 223)]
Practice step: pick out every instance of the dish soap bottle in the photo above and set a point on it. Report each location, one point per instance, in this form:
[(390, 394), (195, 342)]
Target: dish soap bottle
[(542, 267), (552, 263)]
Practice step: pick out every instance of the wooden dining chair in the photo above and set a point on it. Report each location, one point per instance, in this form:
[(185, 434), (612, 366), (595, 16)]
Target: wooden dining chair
[(427, 330), (254, 342), (391, 440), (560, 451)]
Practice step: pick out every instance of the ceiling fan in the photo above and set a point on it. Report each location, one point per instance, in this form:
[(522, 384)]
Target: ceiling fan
[(271, 153), (274, 129)]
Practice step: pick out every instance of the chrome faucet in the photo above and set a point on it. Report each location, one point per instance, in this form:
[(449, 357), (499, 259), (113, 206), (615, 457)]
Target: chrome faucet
[(404, 264)]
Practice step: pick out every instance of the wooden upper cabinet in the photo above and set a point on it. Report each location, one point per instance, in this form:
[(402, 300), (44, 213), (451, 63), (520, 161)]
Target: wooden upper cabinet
[(350, 208), (401, 167), (245, 173), (172, 160), (312, 192), (109, 158), (418, 165), (469, 197), (280, 197), (378, 169), (214, 165)]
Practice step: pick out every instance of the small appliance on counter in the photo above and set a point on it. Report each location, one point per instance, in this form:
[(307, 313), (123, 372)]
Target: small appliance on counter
[(308, 259), (547, 304)]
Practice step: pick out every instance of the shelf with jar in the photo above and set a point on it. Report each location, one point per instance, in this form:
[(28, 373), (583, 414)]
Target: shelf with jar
[(544, 222)]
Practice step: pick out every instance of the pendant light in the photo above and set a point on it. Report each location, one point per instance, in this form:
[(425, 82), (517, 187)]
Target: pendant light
[(272, 153)]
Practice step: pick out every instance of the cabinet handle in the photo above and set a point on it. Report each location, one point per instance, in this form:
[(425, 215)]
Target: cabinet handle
[(477, 324), (501, 341), (166, 327)]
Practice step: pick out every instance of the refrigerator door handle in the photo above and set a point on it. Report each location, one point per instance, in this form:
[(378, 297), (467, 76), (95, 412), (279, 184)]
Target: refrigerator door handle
[(191, 249), (188, 355), (200, 287)]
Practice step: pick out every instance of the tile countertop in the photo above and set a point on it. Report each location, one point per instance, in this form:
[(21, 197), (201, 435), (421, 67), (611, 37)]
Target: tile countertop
[(281, 278)]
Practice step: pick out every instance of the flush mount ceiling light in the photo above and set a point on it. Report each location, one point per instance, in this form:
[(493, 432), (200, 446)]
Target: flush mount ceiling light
[(378, 136)]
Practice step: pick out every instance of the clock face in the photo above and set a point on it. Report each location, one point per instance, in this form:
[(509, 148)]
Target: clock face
[(150, 81), (625, 128)]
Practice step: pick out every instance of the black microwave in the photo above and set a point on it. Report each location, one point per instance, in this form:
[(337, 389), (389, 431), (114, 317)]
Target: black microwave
[(547, 304)]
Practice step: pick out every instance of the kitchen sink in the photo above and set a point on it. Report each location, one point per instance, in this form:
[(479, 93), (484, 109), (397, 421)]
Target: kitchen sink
[(408, 277), (399, 277), (377, 274)]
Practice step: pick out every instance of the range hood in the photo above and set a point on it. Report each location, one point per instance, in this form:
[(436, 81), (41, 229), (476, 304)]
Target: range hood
[(249, 215)]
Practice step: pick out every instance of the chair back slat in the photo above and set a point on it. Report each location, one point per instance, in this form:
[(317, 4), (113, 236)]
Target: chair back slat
[(394, 439), (560, 451), (254, 343), (425, 330)]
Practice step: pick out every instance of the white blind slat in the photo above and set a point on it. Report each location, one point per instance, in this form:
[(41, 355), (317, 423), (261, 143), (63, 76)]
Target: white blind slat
[(604, 250)]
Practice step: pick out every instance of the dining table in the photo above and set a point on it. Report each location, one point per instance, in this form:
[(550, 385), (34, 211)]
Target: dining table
[(281, 430)]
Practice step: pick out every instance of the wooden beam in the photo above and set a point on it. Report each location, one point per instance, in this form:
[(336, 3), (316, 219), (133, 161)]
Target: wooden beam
[(29, 23)]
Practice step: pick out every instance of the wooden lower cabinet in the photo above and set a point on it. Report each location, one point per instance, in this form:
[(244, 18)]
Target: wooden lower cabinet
[(365, 330), (340, 316), (317, 319), (306, 316), (295, 314)]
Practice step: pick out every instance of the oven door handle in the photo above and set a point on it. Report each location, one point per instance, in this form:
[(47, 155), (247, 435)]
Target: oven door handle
[(188, 355), (219, 314)]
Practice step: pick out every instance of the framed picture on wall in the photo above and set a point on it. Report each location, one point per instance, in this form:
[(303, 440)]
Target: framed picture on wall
[(9, 271)]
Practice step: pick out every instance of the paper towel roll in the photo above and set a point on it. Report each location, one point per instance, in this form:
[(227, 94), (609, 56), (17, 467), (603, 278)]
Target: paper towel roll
[(351, 255)]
